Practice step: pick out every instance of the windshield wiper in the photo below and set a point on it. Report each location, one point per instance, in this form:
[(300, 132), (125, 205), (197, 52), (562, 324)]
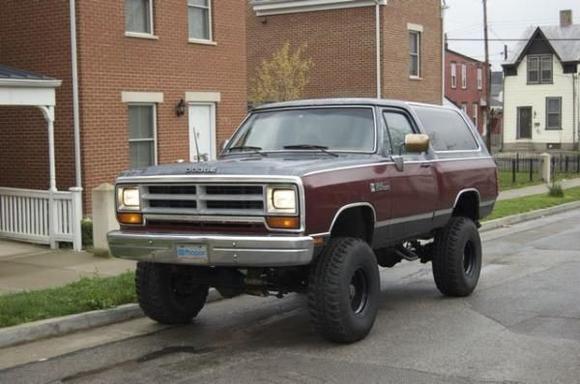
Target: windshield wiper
[(310, 147), (247, 148)]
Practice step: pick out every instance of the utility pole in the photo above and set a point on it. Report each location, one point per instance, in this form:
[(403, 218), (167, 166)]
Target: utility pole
[(487, 78)]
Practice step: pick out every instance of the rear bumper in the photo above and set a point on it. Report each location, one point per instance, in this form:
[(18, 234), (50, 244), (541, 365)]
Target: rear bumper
[(222, 250)]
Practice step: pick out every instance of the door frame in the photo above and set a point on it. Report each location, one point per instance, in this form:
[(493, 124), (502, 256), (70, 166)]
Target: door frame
[(518, 126), (213, 129)]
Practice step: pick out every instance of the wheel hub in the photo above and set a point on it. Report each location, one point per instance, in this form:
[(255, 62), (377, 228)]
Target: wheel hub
[(358, 291)]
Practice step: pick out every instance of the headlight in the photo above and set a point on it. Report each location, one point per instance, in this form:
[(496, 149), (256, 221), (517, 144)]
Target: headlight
[(128, 199), (282, 199)]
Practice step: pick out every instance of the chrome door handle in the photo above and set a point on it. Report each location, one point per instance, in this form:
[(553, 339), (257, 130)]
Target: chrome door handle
[(425, 165)]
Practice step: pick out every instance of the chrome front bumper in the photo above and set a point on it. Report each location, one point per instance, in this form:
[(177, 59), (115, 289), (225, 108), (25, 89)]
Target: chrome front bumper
[(222, 250)]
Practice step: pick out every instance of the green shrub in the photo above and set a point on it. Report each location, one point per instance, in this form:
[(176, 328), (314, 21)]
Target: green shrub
[(87, 232), (555, 190)]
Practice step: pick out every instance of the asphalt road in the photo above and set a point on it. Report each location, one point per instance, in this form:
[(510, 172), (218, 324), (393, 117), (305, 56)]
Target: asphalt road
[(521, 325)]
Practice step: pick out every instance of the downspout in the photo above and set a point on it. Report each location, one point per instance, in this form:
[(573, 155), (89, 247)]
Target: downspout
[(443, 61), (378, 47), (75, 92), (574, 115)]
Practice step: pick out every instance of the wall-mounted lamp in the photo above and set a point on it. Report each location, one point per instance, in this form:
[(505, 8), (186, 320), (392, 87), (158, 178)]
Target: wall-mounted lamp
[(180, 108)]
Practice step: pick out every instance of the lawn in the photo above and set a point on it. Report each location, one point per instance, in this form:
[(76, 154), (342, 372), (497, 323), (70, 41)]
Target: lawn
[(505, 208), (523, 179), (87, 294)]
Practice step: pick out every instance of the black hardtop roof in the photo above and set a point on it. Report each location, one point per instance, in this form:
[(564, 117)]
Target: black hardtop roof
[(344, 101)]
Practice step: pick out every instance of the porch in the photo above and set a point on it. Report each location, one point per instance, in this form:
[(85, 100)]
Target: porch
[(38, 216)]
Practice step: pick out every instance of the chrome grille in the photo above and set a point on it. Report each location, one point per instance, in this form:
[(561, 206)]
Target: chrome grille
[(204, 199)]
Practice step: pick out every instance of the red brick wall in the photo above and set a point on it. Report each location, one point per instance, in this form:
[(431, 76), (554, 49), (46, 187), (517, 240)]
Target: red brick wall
[(396, 81), (34, 36), (471, 95), (342, 45), (111, 63)]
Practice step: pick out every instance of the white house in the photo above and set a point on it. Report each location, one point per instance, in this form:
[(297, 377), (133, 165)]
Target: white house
[(541, 86)]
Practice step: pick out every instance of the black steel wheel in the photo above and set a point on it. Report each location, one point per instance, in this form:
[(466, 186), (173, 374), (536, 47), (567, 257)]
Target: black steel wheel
[(169, 294), (343, 291), (457, 258)]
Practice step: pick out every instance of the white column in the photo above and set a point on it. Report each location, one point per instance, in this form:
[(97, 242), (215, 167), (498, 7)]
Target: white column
[(48, 112)]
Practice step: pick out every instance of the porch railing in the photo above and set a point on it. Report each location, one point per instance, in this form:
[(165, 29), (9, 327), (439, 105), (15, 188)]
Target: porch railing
[(42, 217)]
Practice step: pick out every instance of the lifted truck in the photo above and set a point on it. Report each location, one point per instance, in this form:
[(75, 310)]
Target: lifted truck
[(311, 197)]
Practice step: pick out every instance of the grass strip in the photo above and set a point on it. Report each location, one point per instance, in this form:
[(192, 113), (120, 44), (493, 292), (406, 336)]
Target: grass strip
[(510, 207), (87, 294)]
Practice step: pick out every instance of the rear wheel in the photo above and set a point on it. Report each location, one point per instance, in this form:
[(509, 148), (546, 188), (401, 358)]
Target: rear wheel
[(168, 294), (344, 289), (457, 258)]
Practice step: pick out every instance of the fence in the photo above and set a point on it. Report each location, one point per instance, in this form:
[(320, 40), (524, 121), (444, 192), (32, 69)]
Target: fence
[(527, 166), (41, 217)]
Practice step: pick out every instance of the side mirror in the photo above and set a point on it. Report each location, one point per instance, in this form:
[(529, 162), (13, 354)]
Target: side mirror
[(416, 143)]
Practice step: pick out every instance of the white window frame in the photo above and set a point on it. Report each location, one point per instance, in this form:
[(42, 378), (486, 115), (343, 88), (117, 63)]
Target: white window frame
[(209, 41), (464, 108), (480, 78), (154, 139), (419, 36), (475, 111), (145, 35), (464, 76), (453, 75)]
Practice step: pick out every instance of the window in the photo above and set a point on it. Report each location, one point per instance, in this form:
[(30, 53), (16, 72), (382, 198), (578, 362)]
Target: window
[(338, 129), (139, 16), (142, 132), (453, 75), (475, 114), (199, 17), (447, 130), (398, 127), (553, 113), (415, 53), (463, 76), (479, 78), (540, 69), (464, 108)]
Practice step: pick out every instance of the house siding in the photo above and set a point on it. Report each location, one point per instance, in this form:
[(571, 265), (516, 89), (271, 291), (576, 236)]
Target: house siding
[(342, 46), (519, 94), (34, 36)]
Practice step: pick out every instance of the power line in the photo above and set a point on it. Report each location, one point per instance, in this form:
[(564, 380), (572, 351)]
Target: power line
[(496, 39)]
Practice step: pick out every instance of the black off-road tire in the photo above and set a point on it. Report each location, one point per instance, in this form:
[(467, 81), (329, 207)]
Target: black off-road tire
[(457, 258), (168, 294), (340, 312)]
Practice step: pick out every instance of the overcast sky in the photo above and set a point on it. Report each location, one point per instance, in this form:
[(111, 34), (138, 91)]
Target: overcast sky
[(508, 19)]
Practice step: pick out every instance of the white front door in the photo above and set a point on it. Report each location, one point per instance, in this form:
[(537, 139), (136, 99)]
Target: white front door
[(202, 139)]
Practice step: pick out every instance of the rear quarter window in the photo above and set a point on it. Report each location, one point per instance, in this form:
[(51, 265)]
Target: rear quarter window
[(447, 130)]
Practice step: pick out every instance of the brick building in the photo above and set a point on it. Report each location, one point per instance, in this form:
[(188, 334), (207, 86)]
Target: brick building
[(157, 80), (341, 38), (466, 86)]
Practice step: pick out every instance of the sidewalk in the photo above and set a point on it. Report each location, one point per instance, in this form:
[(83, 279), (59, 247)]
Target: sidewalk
[(30, 267), (535, 189)]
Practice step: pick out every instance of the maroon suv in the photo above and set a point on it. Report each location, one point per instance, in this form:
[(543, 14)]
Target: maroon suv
[(311, 196)]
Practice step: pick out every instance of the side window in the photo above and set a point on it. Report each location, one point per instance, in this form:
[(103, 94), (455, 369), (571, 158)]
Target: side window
[(398, 126), (447, 130)]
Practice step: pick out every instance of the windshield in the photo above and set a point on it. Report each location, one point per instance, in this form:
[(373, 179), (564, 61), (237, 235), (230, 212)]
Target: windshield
[(334, 129)]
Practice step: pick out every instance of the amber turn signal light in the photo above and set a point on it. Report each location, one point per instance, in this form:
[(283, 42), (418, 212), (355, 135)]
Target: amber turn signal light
[(278, 222), (130, 218)]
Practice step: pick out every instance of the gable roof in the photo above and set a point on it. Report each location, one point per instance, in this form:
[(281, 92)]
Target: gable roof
[(565, 42)]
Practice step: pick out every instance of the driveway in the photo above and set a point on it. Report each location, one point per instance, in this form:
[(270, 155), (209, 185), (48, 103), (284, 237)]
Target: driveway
[(521, 326)]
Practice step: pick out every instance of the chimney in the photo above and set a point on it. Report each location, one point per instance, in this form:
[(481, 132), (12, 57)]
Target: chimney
[(566, 18)]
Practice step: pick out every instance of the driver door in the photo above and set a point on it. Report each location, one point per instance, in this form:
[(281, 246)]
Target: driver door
[(414, 189)]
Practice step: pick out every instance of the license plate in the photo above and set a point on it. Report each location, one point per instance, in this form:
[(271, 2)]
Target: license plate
[(193, 252)]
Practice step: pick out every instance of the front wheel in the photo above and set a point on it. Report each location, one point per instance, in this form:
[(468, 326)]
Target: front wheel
[(457, 258), (168, 294), (344, 289)]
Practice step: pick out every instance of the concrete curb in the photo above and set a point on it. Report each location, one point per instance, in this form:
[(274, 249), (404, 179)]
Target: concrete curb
[(528, 216), (68, 324), (60, 326)]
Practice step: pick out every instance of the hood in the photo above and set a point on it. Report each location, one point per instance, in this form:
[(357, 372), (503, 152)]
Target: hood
[(289, 165)]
